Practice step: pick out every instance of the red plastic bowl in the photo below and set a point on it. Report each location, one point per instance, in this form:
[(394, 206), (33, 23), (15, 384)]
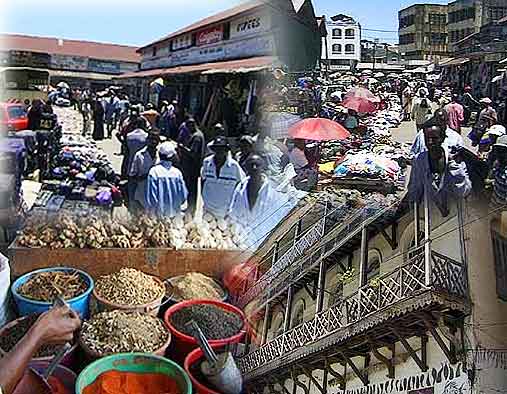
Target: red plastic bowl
[(190, 361), (183, 344)]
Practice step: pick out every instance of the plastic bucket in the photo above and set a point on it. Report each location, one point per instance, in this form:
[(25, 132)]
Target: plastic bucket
[(137, 363), (190, 364), (183, 344), (92, 355), (150, 308), (68, 359), (26, 306)]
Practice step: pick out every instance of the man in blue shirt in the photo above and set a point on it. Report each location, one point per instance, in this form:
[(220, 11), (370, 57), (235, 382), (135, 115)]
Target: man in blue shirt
[(166, 191), (436, 172)]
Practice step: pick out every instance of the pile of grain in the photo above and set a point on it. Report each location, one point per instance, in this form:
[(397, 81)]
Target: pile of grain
[(194, 286), (129, 287), (119, 332)]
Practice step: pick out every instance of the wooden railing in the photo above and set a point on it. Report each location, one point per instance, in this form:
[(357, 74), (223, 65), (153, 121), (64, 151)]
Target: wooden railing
[(448, 276)]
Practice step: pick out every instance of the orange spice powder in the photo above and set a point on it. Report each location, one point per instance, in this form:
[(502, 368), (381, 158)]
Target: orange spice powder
[(116, 382)]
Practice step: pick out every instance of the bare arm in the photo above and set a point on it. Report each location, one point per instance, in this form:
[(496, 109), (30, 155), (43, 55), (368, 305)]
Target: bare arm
[(55, 326)]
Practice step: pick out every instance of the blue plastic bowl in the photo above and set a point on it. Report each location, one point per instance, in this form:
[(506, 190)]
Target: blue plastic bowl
[(26, 306)]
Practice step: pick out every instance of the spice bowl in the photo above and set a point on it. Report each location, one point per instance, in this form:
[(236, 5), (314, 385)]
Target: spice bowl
[(139, 363), (182, 343), (27, 306), (151, 308), (67, 361)]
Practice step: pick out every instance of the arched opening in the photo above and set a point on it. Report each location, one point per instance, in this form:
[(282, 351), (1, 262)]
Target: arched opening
[(299, 314), (337, 48), (277, 325), (349, 48), (350, 33), (337, 33), (374, 261)]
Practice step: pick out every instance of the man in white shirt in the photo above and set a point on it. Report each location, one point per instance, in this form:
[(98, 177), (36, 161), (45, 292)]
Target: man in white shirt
[(220, 174)]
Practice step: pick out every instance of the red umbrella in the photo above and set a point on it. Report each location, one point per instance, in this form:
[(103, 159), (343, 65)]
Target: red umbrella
[(360, 105), (318, 129), (362, 93)]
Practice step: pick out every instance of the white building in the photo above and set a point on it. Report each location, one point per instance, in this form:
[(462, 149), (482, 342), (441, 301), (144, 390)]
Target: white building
[(343, 44)]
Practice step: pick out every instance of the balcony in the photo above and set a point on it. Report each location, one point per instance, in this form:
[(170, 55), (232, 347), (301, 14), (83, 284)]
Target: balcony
[(401, 298)]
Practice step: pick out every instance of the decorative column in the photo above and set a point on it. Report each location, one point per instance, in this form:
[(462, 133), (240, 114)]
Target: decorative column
[(321, 287), (364, 257), (428, 280), (288, 309), (265, 325)]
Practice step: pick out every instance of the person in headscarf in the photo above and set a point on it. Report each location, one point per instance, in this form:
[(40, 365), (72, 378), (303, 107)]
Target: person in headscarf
[(98, 121)]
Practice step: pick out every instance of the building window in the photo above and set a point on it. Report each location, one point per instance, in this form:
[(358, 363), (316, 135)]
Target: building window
[(496, 13), (299, 314), (462, 15), (407, 39), (437, 19), (349, 48), (407, 21), (337, 33), (436, 38), (337, 48), (350, 33), (500, 254), (277, 325), (154, 53)]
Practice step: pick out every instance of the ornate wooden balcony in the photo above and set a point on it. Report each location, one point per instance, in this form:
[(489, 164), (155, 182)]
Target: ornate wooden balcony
[(376, 305)]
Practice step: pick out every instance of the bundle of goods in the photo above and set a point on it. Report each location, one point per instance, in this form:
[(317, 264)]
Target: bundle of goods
[(118, 331), (66, 231), (215, 322), (13, 332), (193, 286), (46, 286), (368, 165)]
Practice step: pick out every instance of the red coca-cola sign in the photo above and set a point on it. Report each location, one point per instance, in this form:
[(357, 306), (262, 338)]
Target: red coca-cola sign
[(210, 35)]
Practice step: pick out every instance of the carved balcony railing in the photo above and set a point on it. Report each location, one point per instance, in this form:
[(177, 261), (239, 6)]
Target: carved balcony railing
[(314, 246), (448, 276)]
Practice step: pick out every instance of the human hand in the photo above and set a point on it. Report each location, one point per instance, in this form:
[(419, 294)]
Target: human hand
[(56, 325)]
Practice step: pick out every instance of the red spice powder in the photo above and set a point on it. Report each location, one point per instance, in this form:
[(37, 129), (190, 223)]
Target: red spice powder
[(116, 382)]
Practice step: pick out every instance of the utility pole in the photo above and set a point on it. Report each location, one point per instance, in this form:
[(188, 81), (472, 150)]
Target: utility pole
[(375, 52)]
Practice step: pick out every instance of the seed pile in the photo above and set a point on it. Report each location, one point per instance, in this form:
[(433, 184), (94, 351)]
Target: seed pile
[(12, 336), (45, 286), (129, 287), (215, 323), (118, 332), (193, 286)]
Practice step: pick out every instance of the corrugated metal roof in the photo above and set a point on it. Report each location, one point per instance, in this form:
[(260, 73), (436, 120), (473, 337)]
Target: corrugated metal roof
[(231, 66), (221, 16), (62, 46)]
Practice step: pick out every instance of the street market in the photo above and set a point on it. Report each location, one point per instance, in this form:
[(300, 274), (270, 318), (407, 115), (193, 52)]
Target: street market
[(231, 209)]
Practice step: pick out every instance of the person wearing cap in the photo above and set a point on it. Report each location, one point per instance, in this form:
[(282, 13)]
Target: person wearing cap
[(141, 165), (166, 191), (499, 159), (470, 104), (437, 173), (220, 174), (54, 327), (455, 114), (488, 113), (246, 148), (191, 157), (151, 115)]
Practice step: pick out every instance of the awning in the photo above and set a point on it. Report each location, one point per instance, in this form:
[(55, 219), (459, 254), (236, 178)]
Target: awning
[(226, 67), (81, 74), (454, 62), (503, 61)]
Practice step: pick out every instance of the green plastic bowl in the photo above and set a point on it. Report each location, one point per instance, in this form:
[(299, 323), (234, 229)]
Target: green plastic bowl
[(137, 363)]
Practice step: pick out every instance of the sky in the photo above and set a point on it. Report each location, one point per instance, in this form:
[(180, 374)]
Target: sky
[(138, 22)]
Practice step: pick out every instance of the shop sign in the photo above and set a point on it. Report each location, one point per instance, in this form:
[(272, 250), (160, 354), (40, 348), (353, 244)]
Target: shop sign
[(211, 35), (156, 63), (66, 62), (29, 59), (252, 24), (103, 66), (181, 42), (255, 46)]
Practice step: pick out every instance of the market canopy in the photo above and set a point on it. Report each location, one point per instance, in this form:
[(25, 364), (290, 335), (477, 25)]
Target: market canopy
[(318, 129)]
